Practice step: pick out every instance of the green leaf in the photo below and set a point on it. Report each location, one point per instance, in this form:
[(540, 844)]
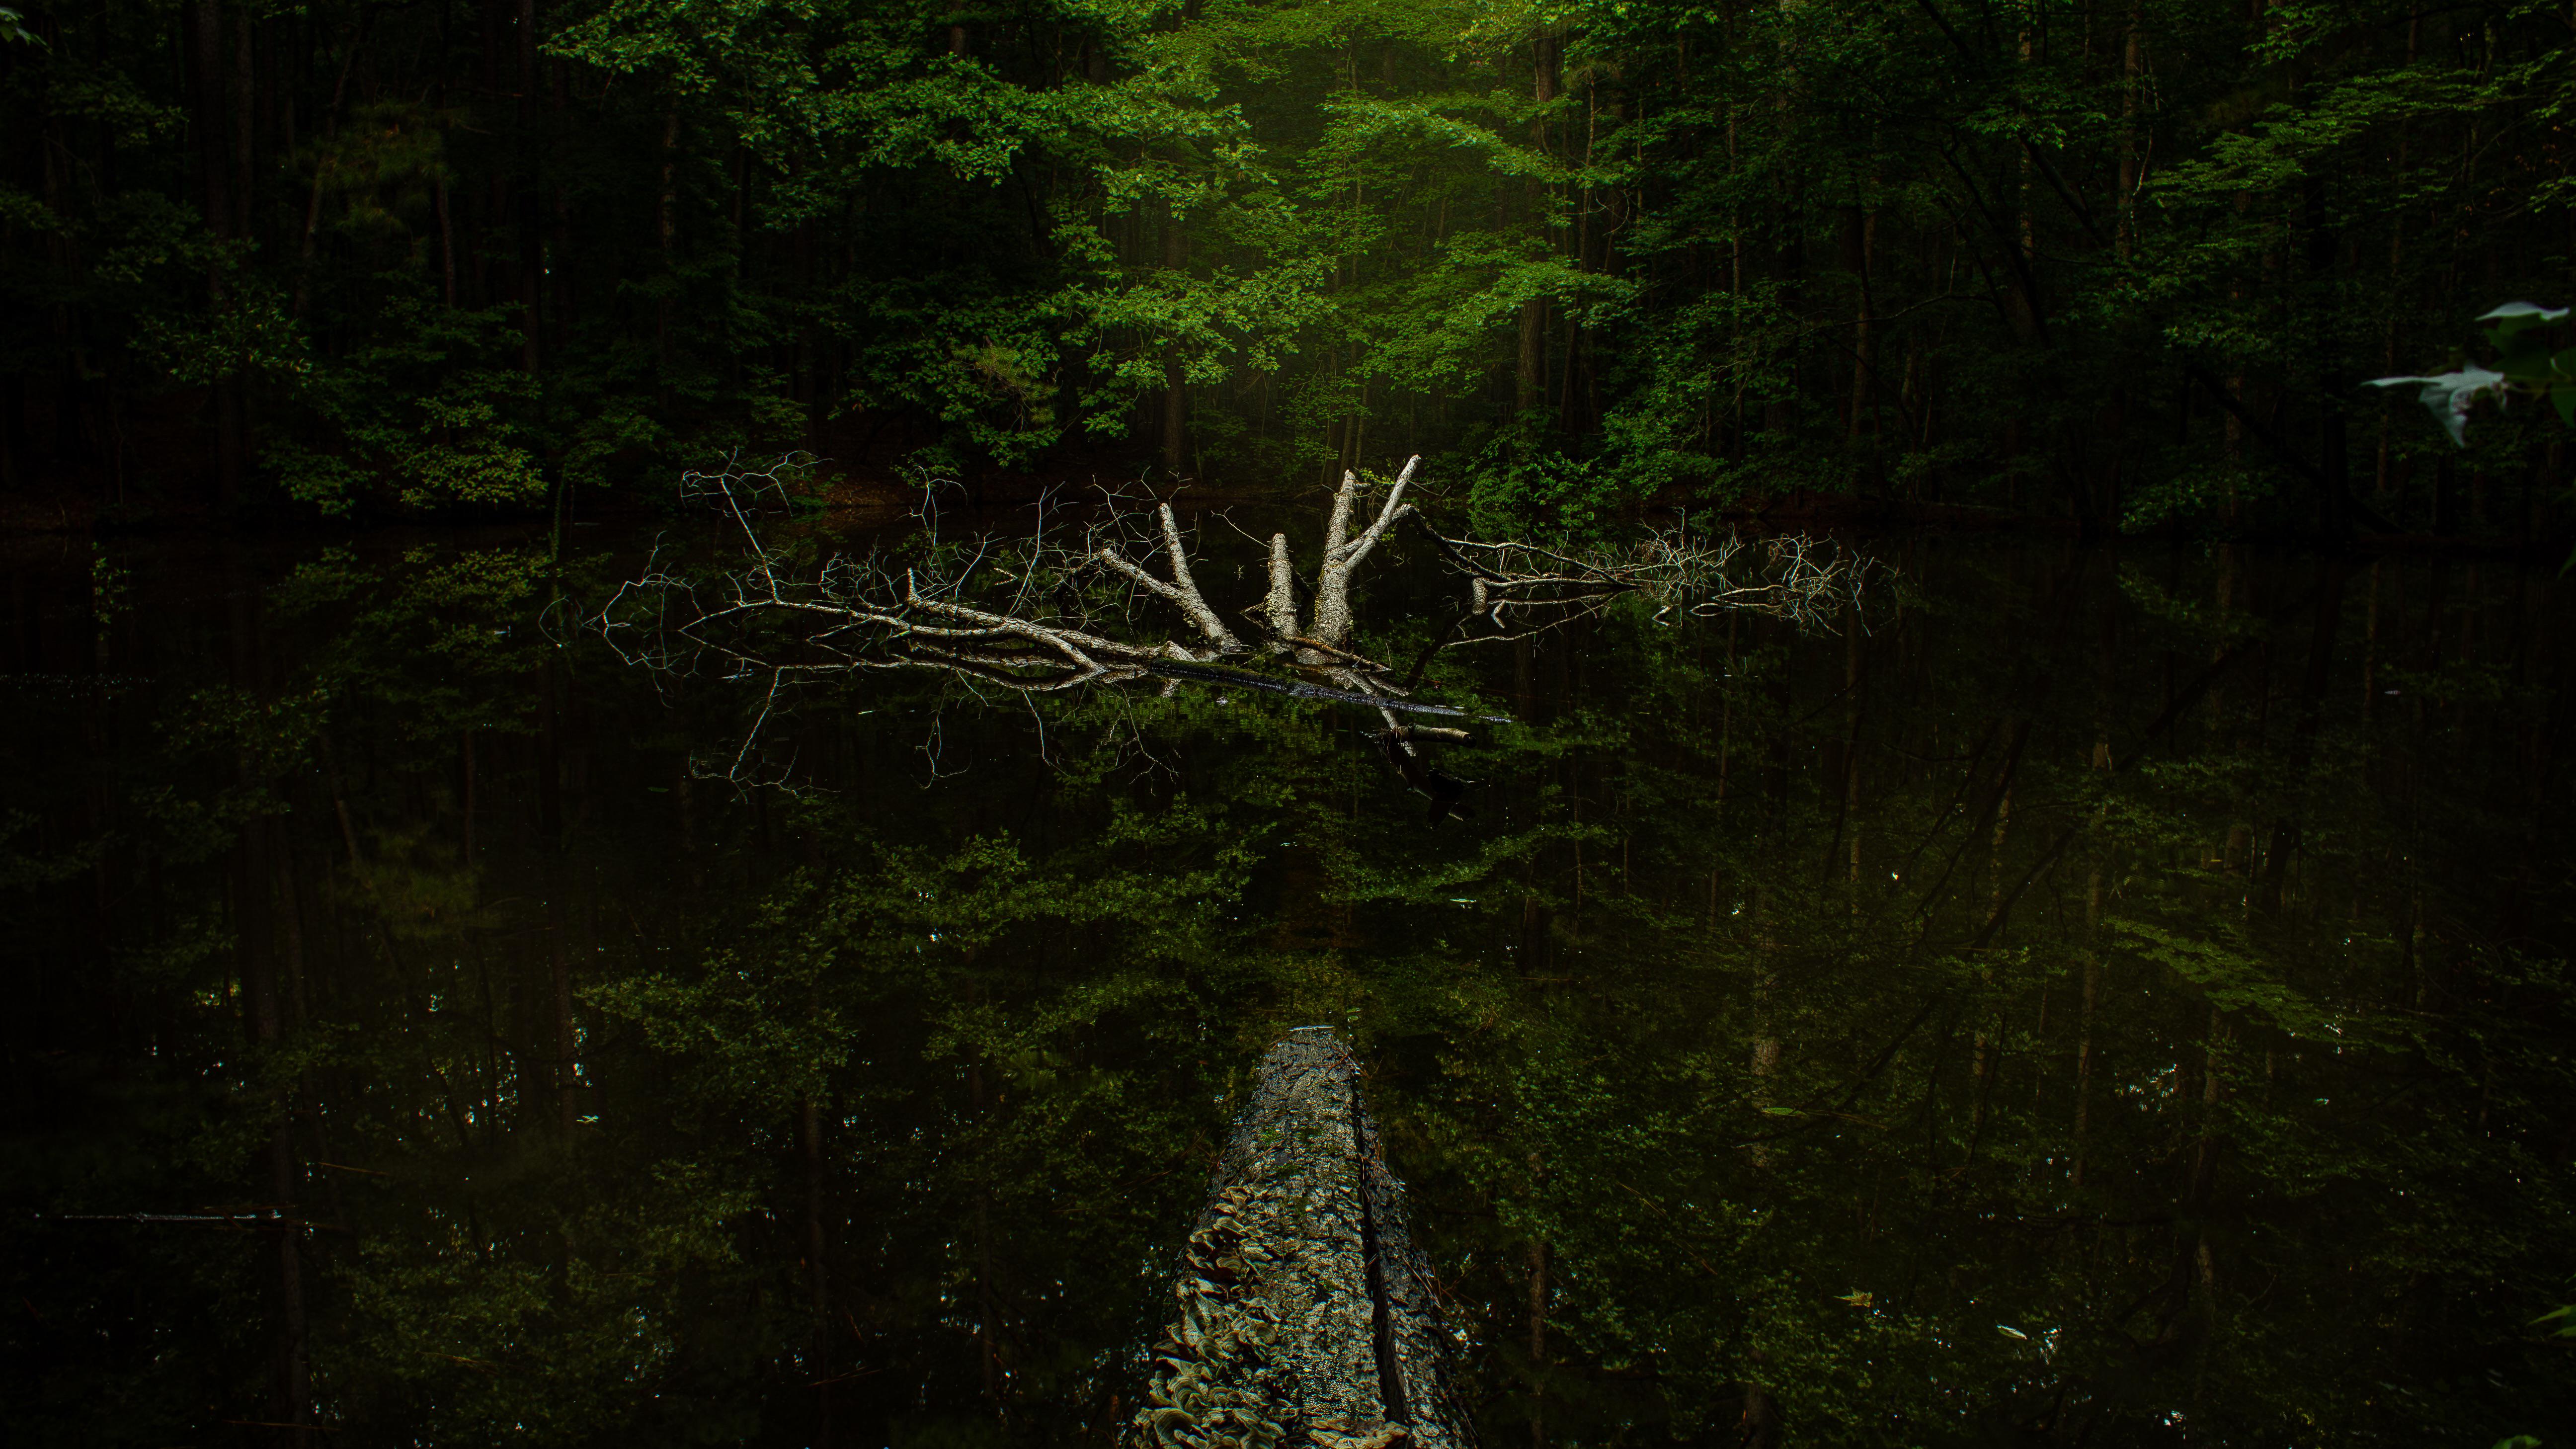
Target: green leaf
[(2448, 395), (2514, 317)]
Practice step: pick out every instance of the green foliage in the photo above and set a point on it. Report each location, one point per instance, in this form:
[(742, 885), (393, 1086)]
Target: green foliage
[(970, 1005), (1601, 254)]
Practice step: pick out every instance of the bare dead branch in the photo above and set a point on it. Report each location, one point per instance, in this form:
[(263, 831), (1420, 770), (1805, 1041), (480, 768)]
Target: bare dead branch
[(1058, 611), (1342, 555)]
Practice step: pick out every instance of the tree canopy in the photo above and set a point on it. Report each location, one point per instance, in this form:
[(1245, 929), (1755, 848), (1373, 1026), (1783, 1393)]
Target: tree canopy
[(2122, 263)]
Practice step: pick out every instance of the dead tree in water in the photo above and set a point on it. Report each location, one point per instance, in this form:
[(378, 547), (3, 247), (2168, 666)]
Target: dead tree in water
[(1306, 1317), (1056, 611)]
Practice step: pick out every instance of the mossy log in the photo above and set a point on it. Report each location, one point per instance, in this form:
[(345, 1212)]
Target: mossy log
[(1306, 1317)]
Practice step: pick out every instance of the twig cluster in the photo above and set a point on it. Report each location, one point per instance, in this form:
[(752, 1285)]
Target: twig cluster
[(1069, 606)]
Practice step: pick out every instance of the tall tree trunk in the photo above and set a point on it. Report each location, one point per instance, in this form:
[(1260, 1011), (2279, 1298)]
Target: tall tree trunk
[(1530, 376), (245, 99), (1176, 395), (666, 203), (2132, 74), (532, 246), (1864, 337), (214, 152)]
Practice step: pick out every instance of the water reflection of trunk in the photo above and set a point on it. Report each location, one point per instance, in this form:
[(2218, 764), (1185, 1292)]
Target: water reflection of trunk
[(2092, 1000), (988, 1348), (1574, 811), (1537, 1278), (2084, 1024), (2303, 736), (1995, 845), (1987, 1069), (1766, 1045), (809, 1123), (550, 848), (1759, 1428), (1843, 768), (2191, 1319), (259, 925), (1726, 715), (260, 930), (2105, 696), (2223, 611)]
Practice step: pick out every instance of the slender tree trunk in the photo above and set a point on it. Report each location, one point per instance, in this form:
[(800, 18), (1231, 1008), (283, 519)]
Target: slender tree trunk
[(245, 95), (666, 204), (1530, 376), (214, 153), (1176, 395), (2132, 73), (322, 170), (466, 833), (1864, 338), (446, 246), (532, 246)]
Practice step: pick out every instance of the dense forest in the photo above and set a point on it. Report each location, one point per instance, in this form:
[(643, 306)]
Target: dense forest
[(2121, 264)]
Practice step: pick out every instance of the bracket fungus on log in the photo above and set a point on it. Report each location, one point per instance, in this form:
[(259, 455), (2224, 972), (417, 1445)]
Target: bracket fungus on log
[(1306, 1317)]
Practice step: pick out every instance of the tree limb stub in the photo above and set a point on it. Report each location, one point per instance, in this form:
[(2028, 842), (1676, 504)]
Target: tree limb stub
[(1306, 1318)]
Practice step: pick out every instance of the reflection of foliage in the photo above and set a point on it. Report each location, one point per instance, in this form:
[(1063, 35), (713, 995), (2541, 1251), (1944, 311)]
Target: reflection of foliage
[(422, 416), (461, 1345), (1708, 1024)]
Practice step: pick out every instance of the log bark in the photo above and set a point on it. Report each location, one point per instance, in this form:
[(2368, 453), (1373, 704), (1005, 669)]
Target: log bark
[(1305, 1315)]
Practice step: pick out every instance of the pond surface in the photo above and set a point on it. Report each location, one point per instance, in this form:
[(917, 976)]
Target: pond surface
[(2089, 997)]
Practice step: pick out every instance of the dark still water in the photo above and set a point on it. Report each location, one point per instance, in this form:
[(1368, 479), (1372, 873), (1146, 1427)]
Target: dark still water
[(2087, 997)]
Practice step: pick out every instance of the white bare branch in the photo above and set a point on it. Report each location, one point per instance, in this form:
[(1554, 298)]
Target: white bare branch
[(1342, 554), (1039, 615), (1281, 603)]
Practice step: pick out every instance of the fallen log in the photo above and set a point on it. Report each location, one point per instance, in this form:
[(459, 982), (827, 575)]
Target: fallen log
[(1306, 1318)]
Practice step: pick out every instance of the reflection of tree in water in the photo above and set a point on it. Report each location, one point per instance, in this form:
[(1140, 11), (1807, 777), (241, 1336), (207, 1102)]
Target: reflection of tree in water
[(1059, 611), (883, 1110)]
